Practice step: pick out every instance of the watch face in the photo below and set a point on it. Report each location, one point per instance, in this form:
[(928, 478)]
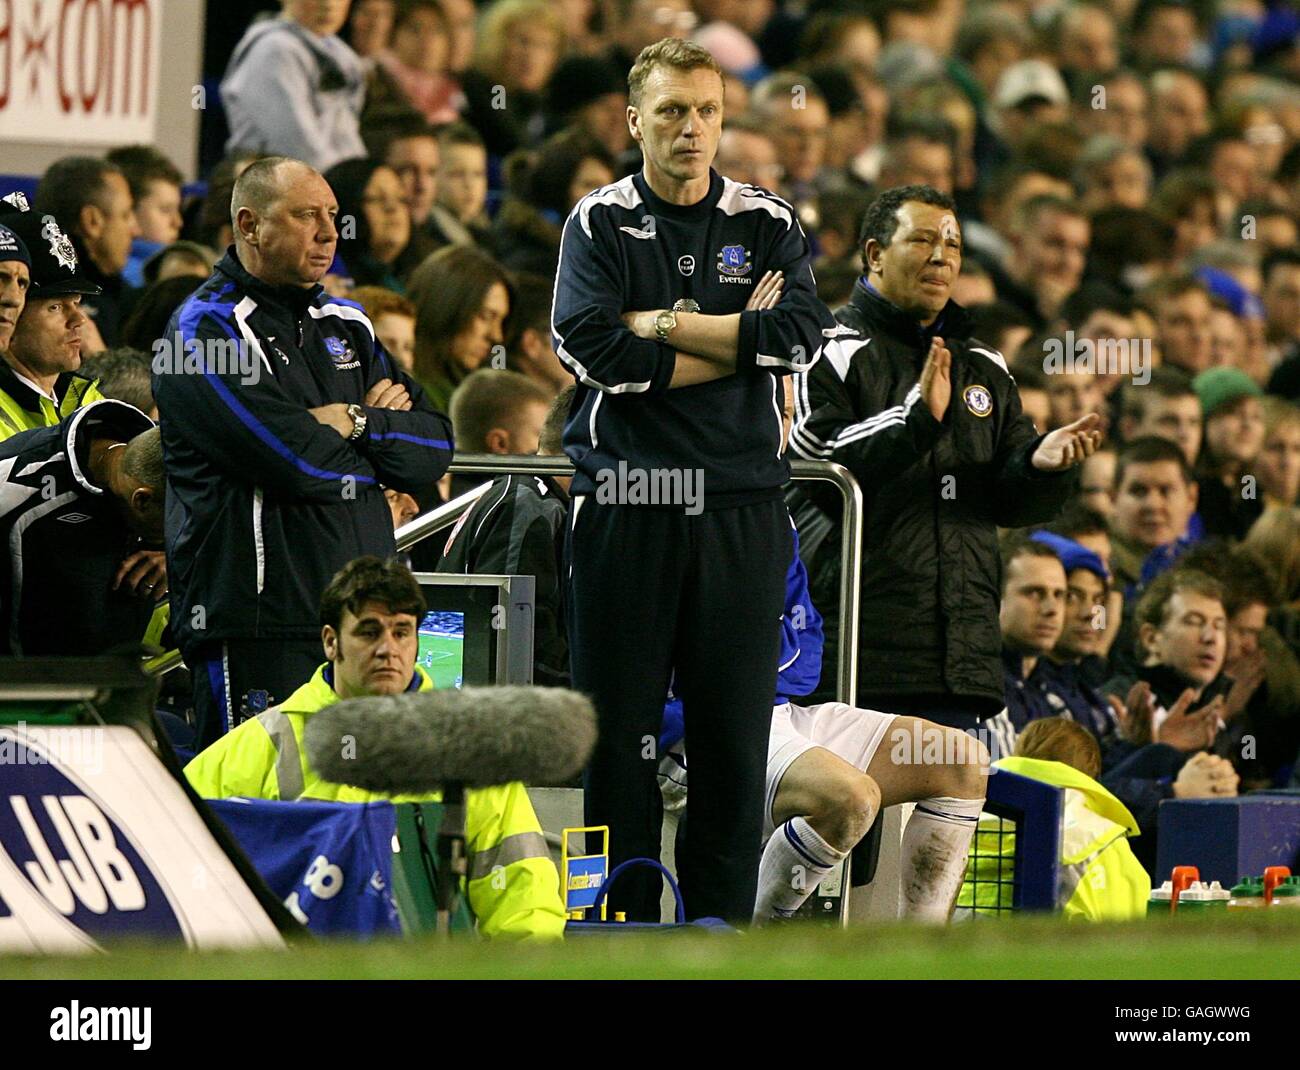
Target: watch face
[(358, 415), (686, 304)]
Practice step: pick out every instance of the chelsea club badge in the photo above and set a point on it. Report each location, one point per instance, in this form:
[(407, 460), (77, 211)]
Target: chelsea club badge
[(978, 400)]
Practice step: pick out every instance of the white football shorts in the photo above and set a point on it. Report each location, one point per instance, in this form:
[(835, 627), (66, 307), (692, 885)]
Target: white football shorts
[(847, 732)]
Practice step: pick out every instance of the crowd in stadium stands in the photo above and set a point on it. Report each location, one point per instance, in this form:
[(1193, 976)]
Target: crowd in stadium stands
[(1126, 174)]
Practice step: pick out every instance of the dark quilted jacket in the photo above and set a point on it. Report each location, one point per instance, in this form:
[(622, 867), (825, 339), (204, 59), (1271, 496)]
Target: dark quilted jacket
[(935, 494)]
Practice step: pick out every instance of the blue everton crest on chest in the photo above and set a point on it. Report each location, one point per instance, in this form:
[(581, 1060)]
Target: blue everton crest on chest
[(734, 264), (341, 353)]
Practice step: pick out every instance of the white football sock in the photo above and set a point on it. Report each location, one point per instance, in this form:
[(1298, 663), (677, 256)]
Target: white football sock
[(794, 863), (934, 855)]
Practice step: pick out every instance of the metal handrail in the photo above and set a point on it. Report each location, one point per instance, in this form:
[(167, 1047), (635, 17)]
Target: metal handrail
[(407, 535), (435, 520), (491, 464)]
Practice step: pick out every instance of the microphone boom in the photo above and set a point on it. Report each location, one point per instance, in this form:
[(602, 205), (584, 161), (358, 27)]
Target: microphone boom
[(416, 743)]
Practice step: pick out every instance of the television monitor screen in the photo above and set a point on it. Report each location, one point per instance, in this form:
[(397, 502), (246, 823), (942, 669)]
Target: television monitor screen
[(442, 647), (477, 630)]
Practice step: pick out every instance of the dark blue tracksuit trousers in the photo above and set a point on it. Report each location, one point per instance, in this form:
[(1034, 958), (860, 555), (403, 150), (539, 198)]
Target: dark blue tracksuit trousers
[(655, 592)]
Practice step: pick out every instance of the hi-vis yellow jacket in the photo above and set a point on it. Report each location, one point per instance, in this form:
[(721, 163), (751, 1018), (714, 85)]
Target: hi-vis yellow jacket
[(24, 409), (514, 889), (1101, 879)]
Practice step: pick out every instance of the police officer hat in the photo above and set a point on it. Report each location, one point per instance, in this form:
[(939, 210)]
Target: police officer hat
[(53, 256), (13, 247)]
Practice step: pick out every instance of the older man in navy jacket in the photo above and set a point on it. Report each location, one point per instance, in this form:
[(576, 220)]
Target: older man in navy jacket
[(283, 420)]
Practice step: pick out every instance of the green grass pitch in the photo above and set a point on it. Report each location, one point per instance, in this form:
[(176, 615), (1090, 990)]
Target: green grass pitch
[(1229, 947)]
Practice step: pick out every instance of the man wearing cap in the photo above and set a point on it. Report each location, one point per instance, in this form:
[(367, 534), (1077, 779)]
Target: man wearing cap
[(15, 278), (1028, 93), (1239, 330), (39, 380), (1086, 584), (1229, 500)]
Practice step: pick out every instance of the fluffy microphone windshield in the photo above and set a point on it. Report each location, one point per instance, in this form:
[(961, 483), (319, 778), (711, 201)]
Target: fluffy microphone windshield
[(415, 743)]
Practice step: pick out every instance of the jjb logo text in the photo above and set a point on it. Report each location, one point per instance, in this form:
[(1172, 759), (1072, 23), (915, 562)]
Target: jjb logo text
[(58, 841)]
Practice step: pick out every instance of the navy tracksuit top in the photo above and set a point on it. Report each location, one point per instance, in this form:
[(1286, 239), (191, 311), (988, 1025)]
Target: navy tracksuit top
[(625, 249)]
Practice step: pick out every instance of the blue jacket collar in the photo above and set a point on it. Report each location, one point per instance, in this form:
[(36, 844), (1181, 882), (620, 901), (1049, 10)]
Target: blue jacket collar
[(296, 299)]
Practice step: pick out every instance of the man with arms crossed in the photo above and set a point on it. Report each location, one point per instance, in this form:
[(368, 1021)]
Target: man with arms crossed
[(276, 468), (681, 301)]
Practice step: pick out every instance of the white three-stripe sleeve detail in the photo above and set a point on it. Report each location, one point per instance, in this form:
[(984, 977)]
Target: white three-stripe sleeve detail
[(896, 415)]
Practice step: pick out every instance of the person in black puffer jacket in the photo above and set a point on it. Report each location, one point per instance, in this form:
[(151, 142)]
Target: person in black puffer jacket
[(928, 420)]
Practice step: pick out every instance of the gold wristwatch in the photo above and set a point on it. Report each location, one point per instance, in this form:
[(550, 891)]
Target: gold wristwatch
[(665, 321)]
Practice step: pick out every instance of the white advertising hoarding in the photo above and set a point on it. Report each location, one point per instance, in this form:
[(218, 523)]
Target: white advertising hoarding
[(80, 72), (98, 842)]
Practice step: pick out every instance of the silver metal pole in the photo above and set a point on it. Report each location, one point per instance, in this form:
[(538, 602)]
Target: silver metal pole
[(850, 562), (436, 519)]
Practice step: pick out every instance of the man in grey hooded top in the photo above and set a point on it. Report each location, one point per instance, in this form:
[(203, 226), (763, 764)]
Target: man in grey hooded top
[(295, 88)]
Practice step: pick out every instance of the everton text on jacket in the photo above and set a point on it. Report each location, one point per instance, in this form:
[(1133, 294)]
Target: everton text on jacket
[(935, 494), (265, 504)]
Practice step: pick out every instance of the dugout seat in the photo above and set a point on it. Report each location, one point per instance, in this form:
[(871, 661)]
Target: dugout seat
[(865, 856)]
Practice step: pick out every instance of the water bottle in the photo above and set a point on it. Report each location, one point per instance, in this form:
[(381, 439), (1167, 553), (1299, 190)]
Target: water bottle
[(1248, 895), (1203, 898), (1287, 895)]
